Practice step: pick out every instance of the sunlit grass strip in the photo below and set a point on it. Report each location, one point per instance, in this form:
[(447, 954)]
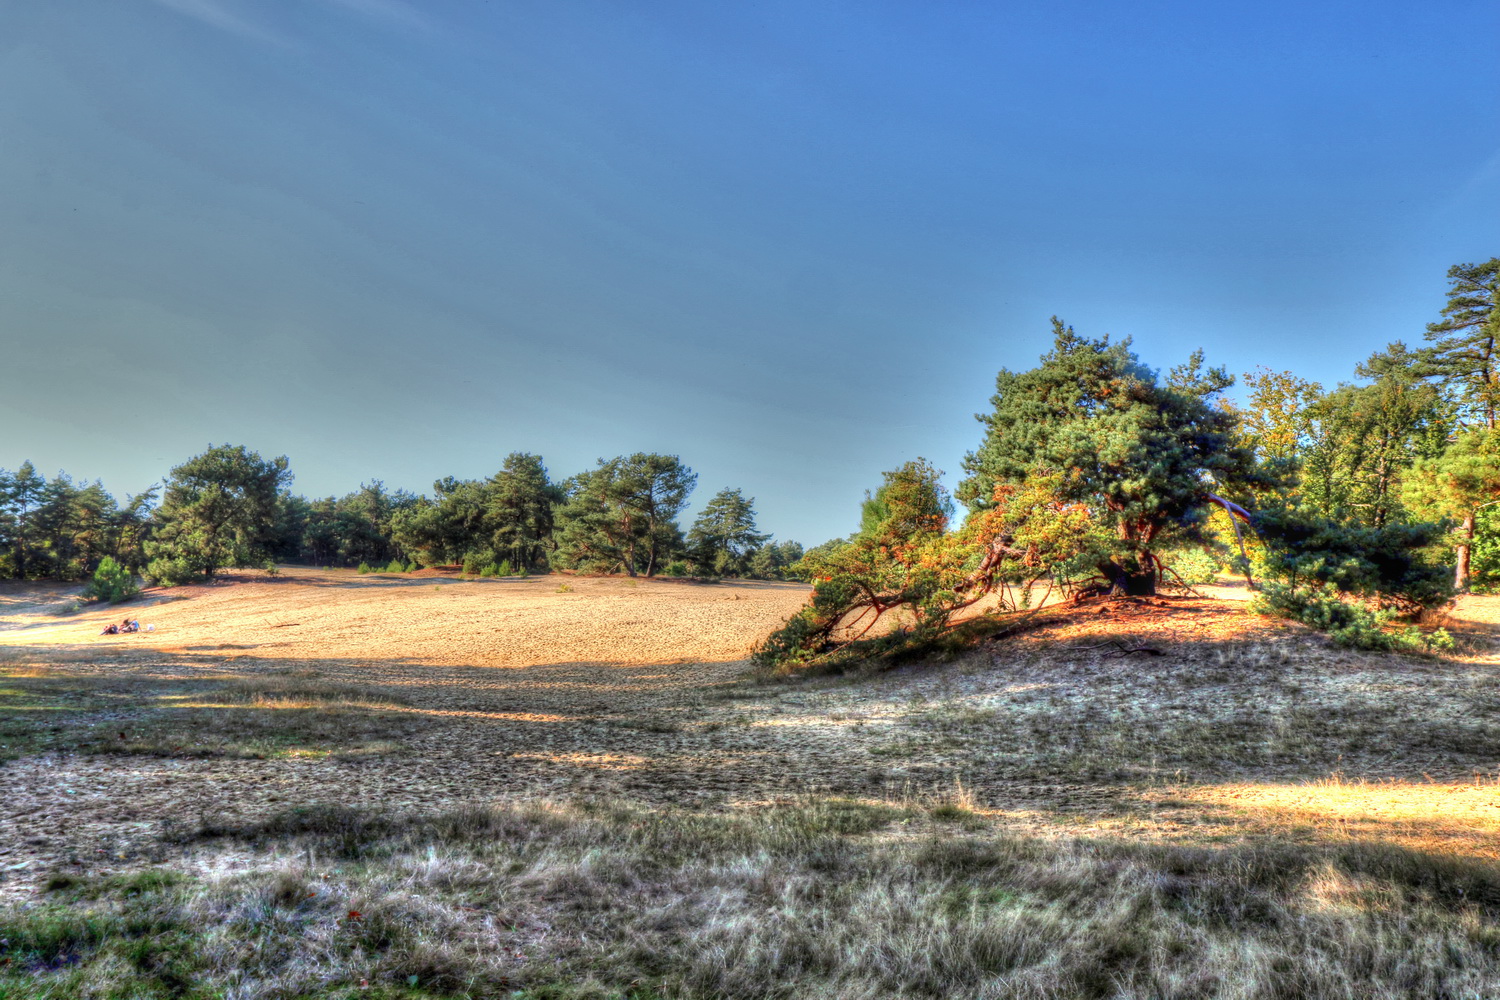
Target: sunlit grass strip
[(1445, 817)]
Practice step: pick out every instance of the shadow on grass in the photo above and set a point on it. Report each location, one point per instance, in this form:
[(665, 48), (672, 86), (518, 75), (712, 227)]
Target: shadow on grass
[(601, 899)]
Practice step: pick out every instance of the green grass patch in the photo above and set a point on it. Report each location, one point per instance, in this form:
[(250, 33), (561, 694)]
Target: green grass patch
[(247, 716)]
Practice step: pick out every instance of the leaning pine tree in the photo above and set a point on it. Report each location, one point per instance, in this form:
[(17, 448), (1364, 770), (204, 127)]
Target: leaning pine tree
[(1148, 458), (1090, 468)]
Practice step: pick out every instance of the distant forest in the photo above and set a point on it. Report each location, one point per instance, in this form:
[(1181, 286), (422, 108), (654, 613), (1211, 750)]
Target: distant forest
[(1093, 471), (230, 507)]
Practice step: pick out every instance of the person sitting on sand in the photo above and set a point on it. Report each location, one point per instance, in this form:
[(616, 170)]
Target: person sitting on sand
[(111, 629), (130, 625)]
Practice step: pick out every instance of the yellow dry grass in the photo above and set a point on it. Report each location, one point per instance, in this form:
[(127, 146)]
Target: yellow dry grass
[(511, 783), (1449, 818)]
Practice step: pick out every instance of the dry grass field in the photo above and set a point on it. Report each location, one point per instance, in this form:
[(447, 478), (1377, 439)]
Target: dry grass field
[(321, 784)]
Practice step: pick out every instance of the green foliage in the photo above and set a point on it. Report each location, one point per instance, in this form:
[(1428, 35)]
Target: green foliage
[(521, 510), (489, 570), (1278, 421), (619, 516), (395, 566), (676, 568), (365, 568), (345, 531), (723, 538), (472, 565), (1465, 339), (1392, 565), (1194, 566), (1349, 624), (111, 583), (1366, 437), (1456, 486), (901, 558), (1485, 566), (172, 572), (61, 529), (1141, 454), (504, 569), (219, 509)]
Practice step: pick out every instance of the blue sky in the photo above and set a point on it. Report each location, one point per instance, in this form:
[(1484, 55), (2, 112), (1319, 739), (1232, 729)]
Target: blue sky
[(790, 242)]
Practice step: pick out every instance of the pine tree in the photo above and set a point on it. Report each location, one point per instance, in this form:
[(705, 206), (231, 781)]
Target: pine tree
[(621, 514), (1455, 486), (20, 496), (1146, 456), (219, 509), (1363, 438), (521, 504), (723, 537), (1464, 353)]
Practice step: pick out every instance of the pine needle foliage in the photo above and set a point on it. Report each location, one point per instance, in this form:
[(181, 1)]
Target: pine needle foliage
[(1145, 456)]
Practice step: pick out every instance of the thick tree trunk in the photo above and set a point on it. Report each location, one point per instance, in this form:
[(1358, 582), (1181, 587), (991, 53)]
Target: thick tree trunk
[(1466, 542), (1129, 581)]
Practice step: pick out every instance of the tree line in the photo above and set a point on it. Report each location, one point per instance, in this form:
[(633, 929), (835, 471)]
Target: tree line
[(1094, 473), (1348, 508), (231, 507)]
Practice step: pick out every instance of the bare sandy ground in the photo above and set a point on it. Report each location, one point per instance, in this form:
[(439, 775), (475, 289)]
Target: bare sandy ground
[(558, 686)]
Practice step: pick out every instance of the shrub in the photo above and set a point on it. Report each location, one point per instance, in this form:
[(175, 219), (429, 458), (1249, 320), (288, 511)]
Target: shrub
[(523, 572), (364, 567), (489, 570), (412, 567), (675, 568), (396, 566), (270, 568), (1348, 624), (1388, 564), (472, 566), (504, 569), (1194, 566), (111, 583), (171, 571)]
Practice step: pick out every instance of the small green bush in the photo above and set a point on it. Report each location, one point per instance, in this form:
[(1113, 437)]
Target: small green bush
[(1348, 624), (504, 569), (676, 568), (395, 566), (364, 567), (270, 568), (412, 567), (171, 571), (472, 566), (1194, 567), (489, 570), (111, 583)]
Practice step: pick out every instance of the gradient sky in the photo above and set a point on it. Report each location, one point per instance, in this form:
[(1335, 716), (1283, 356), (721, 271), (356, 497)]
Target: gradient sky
[(790, 242)]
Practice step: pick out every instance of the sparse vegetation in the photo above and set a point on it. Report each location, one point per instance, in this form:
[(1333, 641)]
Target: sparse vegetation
[(604, 899), (1047, 816)]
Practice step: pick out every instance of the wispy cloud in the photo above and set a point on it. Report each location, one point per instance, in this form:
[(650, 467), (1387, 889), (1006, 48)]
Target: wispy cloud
[(219, 15)]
